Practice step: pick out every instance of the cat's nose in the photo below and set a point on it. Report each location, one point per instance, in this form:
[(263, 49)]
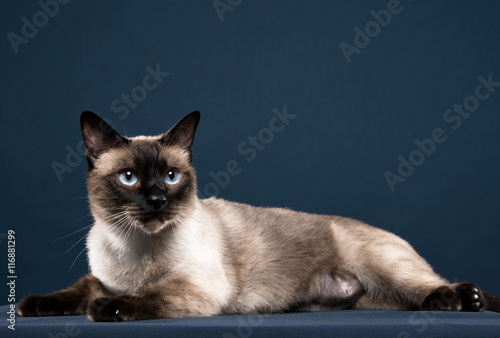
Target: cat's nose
[(157, 201)]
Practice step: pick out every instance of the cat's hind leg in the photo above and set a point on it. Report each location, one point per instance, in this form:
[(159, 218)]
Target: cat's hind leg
[(392, 274), (71, 301), (395, 277)]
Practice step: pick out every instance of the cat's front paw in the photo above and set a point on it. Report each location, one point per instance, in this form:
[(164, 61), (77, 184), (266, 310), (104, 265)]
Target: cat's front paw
[(33, 306), (50, 305), (111, 309), (460, 297)]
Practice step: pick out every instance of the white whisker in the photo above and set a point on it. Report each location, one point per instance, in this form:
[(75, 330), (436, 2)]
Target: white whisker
[(76, 244), (79, 198), (76, 259), (74, 232)]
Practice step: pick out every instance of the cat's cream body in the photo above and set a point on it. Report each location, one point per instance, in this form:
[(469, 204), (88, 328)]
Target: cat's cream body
[(247, 265), (157, 251)]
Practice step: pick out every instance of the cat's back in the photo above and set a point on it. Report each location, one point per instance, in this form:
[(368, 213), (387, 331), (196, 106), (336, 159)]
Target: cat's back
[(267, 233), (245, 217), (241, 217)]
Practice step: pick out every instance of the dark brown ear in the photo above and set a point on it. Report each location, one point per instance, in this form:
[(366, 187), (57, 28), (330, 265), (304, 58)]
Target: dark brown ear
[(182, 134), (98, 136)]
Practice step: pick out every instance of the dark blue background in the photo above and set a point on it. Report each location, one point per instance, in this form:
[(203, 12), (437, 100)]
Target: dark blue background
[(352, 121)]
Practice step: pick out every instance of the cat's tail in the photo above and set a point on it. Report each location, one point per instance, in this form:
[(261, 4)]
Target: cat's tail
[(492, 301)]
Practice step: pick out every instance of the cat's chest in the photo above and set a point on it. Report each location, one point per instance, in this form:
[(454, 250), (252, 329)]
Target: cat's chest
[(128, 274), (126, 265)]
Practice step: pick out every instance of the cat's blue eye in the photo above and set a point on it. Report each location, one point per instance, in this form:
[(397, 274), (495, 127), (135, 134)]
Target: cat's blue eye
[(173, 177), (128, 178)]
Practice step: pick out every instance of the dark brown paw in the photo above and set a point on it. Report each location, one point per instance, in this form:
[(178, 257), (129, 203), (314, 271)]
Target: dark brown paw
[(50, 305), (471, 297), (32, 306), (460, 297), (108, 309)]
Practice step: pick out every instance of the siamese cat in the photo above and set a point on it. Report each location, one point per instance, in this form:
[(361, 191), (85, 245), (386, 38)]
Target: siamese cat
[(158, 251)]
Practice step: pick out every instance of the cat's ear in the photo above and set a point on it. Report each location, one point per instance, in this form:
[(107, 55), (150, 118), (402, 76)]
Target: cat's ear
[(98, 136), (182, 134)]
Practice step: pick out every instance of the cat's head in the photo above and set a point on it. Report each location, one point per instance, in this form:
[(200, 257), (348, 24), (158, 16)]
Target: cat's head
[(141, 182)]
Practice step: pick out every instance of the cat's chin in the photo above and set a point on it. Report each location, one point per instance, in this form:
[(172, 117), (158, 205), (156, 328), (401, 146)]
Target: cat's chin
[(154, 226)]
